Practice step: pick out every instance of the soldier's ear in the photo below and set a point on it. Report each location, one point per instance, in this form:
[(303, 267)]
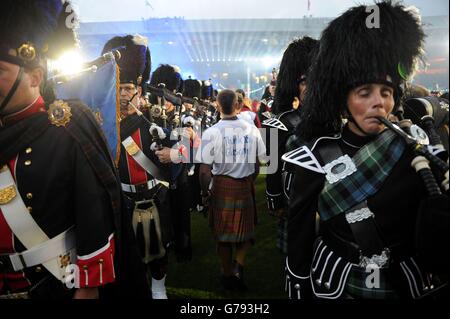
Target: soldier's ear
[(36, 77)]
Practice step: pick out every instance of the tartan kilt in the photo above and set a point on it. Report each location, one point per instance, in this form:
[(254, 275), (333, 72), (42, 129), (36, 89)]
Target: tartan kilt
[(232, 209)]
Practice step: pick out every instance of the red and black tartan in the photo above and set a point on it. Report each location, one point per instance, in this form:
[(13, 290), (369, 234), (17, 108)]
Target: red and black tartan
[(232, 211)]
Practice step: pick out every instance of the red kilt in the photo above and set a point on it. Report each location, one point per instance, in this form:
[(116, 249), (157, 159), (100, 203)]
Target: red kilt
[(232, 209)]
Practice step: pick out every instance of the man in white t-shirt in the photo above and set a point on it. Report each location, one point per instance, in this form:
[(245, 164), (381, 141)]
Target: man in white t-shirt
[(230, 152)]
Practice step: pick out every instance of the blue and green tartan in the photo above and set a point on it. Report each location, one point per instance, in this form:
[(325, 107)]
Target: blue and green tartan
[(374, 162)]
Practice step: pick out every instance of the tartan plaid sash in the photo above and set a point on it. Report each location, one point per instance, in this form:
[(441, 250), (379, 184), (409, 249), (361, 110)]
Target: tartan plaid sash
[(373, 162), (17, 137)]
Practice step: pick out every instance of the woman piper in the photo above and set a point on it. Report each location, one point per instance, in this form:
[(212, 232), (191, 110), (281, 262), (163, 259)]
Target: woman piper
[(289, 93), (358, 175)]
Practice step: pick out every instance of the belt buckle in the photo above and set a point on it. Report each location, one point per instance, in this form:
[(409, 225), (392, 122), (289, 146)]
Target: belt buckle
[(376, 261)]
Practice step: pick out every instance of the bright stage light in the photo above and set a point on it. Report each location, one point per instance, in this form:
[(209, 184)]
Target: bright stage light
[(69, 63), (269, 61)]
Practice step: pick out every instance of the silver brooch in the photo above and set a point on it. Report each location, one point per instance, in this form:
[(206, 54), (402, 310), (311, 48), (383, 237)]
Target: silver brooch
[(376, 261), (339, 169), (358, 215)]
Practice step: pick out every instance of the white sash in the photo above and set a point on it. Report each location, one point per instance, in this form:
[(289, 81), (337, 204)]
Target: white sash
[(138, 155), (54, 254)]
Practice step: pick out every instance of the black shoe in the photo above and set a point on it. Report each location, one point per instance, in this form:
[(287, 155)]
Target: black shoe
[(240, 285), (238, 270), (239, 273), (229, 282)]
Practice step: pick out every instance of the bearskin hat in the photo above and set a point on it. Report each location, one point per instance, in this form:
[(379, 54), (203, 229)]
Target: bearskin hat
[(192, 88), (135, 62), (168, 75), (293, 70), (353, 51), (32, 31), (207, 90)]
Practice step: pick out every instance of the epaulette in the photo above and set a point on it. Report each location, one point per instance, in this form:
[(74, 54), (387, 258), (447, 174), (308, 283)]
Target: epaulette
[(267, 115), (304, 157), (275, 123)]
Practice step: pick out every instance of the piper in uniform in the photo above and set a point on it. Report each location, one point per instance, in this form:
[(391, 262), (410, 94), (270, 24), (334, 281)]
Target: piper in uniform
[(59, 195), (143, 177), (359, 176), (178, 155), (209, 95), (288, 95), (265, 108), (193, 118)]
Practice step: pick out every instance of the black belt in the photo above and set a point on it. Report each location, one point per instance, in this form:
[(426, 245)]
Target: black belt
[(140, 188)]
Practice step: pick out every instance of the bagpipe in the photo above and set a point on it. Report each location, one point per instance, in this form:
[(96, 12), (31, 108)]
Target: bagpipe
[(199, 113), (158, 134), (432, 114), (431, 164), (159, 110)]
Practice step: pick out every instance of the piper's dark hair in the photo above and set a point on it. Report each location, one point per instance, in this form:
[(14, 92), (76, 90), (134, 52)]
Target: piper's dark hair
[(295, 64), (350, 54)]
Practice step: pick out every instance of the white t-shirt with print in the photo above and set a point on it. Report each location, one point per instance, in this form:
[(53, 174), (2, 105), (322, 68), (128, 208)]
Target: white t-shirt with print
[(232, 147), (247, 116)]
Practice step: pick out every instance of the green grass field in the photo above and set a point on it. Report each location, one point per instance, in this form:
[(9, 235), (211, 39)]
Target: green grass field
[(199, 278)]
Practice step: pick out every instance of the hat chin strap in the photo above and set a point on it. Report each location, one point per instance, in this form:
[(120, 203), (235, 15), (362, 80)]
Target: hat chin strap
[(351, 119), (13, 90)]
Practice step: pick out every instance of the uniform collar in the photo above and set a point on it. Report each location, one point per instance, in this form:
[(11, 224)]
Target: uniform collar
[(353, 139), (37, 106)]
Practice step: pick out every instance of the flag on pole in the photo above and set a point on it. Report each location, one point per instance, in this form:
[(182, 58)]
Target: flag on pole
[(100, 92)]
